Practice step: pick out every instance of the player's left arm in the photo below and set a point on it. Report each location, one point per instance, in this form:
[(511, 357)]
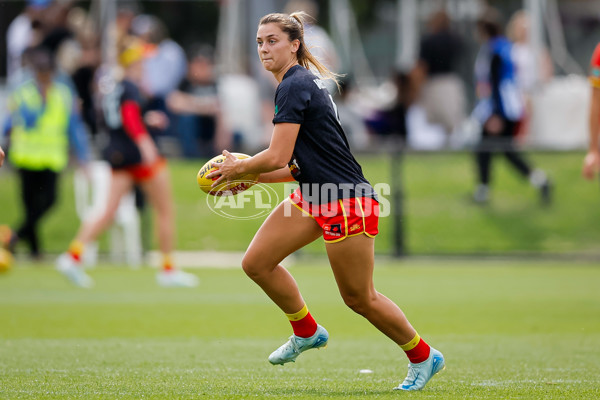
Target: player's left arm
[(271, 159)]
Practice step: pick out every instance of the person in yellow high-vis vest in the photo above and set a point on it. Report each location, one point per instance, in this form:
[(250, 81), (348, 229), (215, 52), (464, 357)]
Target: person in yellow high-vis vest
[(43, 124)]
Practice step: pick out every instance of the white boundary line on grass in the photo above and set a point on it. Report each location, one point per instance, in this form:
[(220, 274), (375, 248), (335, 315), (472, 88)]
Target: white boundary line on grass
[(206, 259)]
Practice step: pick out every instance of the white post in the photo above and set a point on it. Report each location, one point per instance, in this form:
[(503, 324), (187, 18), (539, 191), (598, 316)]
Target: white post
[(108, 16), (407, 34), (340, 28), (534, 9), (230, 38), (345, 29)]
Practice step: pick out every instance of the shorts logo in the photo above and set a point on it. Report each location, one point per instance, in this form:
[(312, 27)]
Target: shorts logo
[(354, 227), (276, 109), (333, 230)]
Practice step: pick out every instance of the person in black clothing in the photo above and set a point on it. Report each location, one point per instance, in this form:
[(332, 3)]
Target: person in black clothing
[(443, 93), (83, 78), (499, 109), (195, 103), (334, 201)]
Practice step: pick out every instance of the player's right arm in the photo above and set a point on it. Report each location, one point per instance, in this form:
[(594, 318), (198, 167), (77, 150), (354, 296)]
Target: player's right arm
[(272, 159)]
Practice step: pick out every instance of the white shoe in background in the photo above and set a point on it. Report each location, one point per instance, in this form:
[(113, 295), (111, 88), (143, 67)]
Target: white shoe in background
[(73, 270), (176, 278)]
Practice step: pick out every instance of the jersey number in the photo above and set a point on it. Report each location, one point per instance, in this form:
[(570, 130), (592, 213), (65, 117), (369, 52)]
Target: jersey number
[(111, 105)]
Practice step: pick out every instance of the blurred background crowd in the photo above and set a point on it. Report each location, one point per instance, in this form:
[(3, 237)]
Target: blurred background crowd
[(415, 74), (408, 66)]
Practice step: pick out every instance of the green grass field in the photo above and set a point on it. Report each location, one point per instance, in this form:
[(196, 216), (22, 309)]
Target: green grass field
[(508, 330), (439, 217)]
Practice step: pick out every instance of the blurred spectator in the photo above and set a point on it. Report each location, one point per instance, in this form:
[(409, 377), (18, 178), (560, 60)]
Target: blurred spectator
[(352, 122), (591, 163), (165, 63), (22, 33), (2, 155), (126, 13), (58, 36), (49, 27), (524, 60), (90, 58), (83, 77), (134, 158), (198, 118), (499, 108), (391, 121), (43, 121), (442, 92)]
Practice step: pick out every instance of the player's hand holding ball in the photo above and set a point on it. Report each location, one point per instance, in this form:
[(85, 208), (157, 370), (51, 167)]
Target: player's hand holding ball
[(219, 176)]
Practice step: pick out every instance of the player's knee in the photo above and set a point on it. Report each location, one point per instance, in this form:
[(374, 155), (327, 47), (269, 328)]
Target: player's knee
[(358, 302), (257, 267), (251, 266)]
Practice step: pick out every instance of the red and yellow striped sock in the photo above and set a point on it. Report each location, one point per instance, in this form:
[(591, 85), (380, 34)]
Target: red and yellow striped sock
[(76, 249), (416, 350), (167, 262), (303, 323)]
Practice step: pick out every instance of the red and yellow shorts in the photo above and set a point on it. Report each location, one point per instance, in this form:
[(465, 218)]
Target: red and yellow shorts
[(144, 172), (342, 218)]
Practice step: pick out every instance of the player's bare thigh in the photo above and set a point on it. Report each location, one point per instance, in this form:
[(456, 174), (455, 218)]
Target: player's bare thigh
[(352, 262), (285, 230)]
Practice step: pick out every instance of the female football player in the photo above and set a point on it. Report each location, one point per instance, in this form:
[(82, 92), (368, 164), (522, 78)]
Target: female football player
[(334, 200), (134, 159)]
